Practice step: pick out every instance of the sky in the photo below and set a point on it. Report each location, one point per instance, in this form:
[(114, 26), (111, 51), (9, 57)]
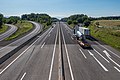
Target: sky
[(61, 8)]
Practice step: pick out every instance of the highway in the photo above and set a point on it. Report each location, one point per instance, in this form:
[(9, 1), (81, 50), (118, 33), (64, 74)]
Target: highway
[(9, 32), (55, 55), (12, 46)]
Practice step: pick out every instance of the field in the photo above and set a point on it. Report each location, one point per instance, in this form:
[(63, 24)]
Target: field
[(23, 27), (110, 23), (3, 29), (108, 31)]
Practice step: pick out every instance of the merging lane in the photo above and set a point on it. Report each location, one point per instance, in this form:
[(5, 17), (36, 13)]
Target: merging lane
[(12, 30)]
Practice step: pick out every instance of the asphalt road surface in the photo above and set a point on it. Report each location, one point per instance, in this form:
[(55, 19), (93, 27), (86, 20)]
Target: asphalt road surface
[(5, 50), (9, 32), (55, 55)]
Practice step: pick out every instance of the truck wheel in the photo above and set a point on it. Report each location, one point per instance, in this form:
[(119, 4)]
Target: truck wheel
[(77, 38)]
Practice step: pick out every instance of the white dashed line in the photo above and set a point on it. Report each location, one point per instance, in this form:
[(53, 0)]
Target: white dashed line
[(98, 61), (83, 53), (43, 45), (23, 76)]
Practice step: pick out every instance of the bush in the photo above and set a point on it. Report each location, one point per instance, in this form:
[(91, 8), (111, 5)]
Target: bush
[(69, 22)]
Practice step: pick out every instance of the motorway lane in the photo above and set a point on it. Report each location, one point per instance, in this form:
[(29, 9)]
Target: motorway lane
[(35, 63), (41, 61), (12, 30), (91, 66)]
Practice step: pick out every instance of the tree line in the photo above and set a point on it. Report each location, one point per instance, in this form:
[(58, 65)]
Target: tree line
[(44, 19), (76, 19), (85, 20)]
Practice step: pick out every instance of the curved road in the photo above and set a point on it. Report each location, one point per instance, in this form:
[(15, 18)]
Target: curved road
[(7, 49), (12, 30)]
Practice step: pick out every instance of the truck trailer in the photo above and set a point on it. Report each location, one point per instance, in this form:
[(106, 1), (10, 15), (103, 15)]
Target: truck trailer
[(80, 33)]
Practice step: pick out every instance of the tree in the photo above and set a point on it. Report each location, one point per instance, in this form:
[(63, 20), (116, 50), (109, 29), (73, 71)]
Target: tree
[(24, 17), (12, 20), (69, 22), (86, 23), (1, 20), (75, 22), (41, 18)]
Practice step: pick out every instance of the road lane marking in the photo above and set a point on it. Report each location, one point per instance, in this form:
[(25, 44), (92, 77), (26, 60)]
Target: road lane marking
[(23, 76), (117, 69), (108, 55), (101, 55), (98, 61), (108, 49), (51, 67), (43, 45), (83, 53), (67, 57), (71, 37), (18, 57)]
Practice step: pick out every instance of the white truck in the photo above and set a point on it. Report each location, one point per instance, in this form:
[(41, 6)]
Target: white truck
[(80, 33), (84, 31)]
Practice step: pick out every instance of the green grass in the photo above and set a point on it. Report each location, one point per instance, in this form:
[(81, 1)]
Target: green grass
[(72, 25), (45, 26), (109, 36), (3, 29), (23, 27)]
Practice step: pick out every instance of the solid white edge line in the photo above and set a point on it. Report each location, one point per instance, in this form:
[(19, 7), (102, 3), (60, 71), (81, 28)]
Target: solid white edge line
[(99, 62), (23, 76), (18, 57), (53, 57), (117, 69), (82, 53), (101, 55), (43, 45), (67, 56)]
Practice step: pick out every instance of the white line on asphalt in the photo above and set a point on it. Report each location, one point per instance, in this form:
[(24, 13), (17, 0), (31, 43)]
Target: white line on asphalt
[(90, 53), (98, 61), (50, 31), (71, 37), (101, 55), (23, 76), (53, 57), (107, 54), (43, 45), (83, 53), (117, 69), (108, 49), (67, 57), (18, 57)]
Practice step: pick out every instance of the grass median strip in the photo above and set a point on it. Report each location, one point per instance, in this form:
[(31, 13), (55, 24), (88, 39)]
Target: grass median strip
[(23, 27), (3, 29)]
